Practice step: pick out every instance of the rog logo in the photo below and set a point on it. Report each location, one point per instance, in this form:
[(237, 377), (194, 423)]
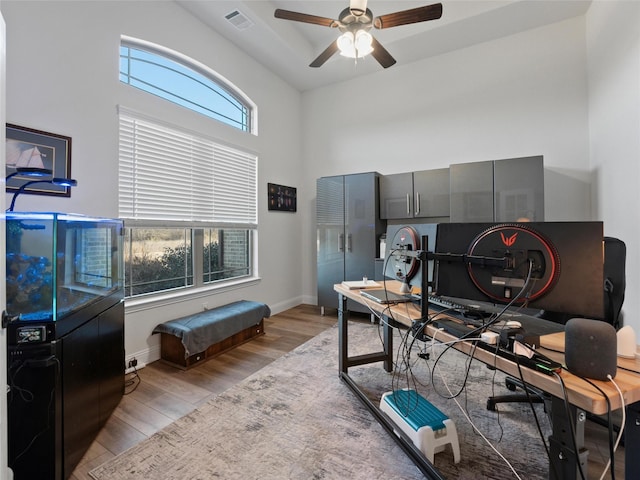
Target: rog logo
[(509, 241)]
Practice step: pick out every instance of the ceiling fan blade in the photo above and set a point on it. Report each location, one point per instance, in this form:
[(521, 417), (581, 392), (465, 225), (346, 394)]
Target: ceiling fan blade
[(381, 54), (405, 17), (326, 55), (305, 18)]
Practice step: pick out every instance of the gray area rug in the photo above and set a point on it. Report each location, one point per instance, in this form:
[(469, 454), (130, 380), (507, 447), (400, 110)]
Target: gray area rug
[(295, 419)]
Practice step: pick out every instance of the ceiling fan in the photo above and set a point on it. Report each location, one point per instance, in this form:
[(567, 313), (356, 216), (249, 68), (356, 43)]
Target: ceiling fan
[(355, 22)]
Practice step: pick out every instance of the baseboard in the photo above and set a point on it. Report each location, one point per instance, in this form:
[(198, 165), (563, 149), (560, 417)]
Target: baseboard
[(312, 299), (144, 357), (285, 305)]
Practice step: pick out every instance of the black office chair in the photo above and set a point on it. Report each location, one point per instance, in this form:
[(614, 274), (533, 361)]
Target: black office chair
[(615, 255), (615, 283)]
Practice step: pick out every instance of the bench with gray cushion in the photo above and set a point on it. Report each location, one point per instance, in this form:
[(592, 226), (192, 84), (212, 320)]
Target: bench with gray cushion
[(190, 340)]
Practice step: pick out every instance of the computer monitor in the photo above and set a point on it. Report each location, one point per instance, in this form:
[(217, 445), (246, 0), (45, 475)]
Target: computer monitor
[(566, 260), (407, 269)]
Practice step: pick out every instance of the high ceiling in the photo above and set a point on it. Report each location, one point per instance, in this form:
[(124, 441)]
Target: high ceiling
[(287, 47)]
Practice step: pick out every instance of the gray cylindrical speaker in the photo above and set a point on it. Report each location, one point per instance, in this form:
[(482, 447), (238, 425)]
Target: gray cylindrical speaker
[(590, 348)]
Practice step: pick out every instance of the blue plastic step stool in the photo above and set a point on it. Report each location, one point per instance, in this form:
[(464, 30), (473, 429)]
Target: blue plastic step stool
[(429, 429)]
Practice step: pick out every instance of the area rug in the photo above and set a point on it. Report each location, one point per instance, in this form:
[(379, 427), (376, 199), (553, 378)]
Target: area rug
[(296, 419)]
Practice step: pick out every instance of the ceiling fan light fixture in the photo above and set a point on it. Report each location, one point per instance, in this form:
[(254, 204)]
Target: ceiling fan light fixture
[(354, 22), (346, 44), (355, 46), (363, 43)]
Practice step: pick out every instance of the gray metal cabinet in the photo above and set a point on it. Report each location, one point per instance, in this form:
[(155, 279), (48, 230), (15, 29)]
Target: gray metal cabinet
[(431, 190), (498, 191), (348, 232), (519, 189), (422, 194), (472, 192), (396, 196)]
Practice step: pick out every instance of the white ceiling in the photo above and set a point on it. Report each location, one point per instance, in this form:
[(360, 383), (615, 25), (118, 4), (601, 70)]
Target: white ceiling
[(287, 47)]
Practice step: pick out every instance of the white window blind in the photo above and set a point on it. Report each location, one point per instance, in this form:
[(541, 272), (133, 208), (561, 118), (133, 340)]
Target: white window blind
[(168, 174)]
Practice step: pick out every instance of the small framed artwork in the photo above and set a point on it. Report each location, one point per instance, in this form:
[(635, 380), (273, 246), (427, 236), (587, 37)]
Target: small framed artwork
[(26, 147), (281, 198)]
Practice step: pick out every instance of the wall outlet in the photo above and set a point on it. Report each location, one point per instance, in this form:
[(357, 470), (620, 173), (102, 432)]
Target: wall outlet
[(205, 306), (133, 362)]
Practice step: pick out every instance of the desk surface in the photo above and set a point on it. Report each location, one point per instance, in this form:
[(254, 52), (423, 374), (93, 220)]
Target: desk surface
[(579, 392)]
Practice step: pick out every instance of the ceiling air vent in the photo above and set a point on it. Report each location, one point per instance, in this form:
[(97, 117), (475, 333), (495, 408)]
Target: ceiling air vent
[(238, 20)]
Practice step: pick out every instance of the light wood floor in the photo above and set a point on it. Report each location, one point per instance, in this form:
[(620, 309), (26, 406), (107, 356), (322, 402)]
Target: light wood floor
[(166, 393)]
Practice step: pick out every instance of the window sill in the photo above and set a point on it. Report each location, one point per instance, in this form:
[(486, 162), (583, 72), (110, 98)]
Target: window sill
[(133, 305)]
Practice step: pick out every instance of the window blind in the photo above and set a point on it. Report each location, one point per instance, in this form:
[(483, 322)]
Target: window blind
[(173, 175)]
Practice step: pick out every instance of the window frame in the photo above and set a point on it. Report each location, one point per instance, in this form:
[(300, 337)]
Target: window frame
[(197, 228), (200, 68), (199, 287), (194, 225)]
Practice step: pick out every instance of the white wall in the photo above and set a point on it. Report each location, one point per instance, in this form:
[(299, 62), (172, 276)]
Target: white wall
[(3, 334), (613, 43), (565, 91), (62, 77), (528, 94), (517, 96)]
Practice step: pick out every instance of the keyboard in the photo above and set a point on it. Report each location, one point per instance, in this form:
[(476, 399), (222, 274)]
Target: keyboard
[(469, 314), (477, 313), (445, 302)]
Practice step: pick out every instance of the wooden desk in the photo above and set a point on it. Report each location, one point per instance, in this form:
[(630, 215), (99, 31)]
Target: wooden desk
[(582, 396)]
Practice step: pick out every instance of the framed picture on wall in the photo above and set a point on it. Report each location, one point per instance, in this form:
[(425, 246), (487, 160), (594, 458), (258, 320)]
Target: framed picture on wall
[(281, 198), (29, 148)]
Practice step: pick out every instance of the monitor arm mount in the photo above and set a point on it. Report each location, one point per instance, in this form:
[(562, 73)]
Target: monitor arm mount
[(423, 256)]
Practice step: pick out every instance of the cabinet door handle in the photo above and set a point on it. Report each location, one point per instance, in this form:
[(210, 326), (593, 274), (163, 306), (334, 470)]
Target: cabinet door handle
[(349, 243), (341, 242), (408, 204), (417, 203)]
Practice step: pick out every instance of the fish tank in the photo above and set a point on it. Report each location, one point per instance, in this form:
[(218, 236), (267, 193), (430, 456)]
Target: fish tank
[(59, 264)]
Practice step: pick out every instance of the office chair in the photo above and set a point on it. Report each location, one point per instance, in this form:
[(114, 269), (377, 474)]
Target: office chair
[(615, 255)]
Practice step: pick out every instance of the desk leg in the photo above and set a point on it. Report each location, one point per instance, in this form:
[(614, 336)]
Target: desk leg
[(343, 334), (387, 338), (344, 360), (386, 356), (563, 454), (631, 441)]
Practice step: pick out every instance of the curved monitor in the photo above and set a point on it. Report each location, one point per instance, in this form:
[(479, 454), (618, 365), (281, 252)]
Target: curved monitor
[(564, 261)]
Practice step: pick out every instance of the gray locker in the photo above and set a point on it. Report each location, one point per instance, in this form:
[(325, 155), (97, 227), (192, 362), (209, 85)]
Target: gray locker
[(348, 232)]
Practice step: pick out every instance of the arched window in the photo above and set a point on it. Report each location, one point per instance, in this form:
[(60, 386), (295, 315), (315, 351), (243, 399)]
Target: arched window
[(189, 201), (184, 82)]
